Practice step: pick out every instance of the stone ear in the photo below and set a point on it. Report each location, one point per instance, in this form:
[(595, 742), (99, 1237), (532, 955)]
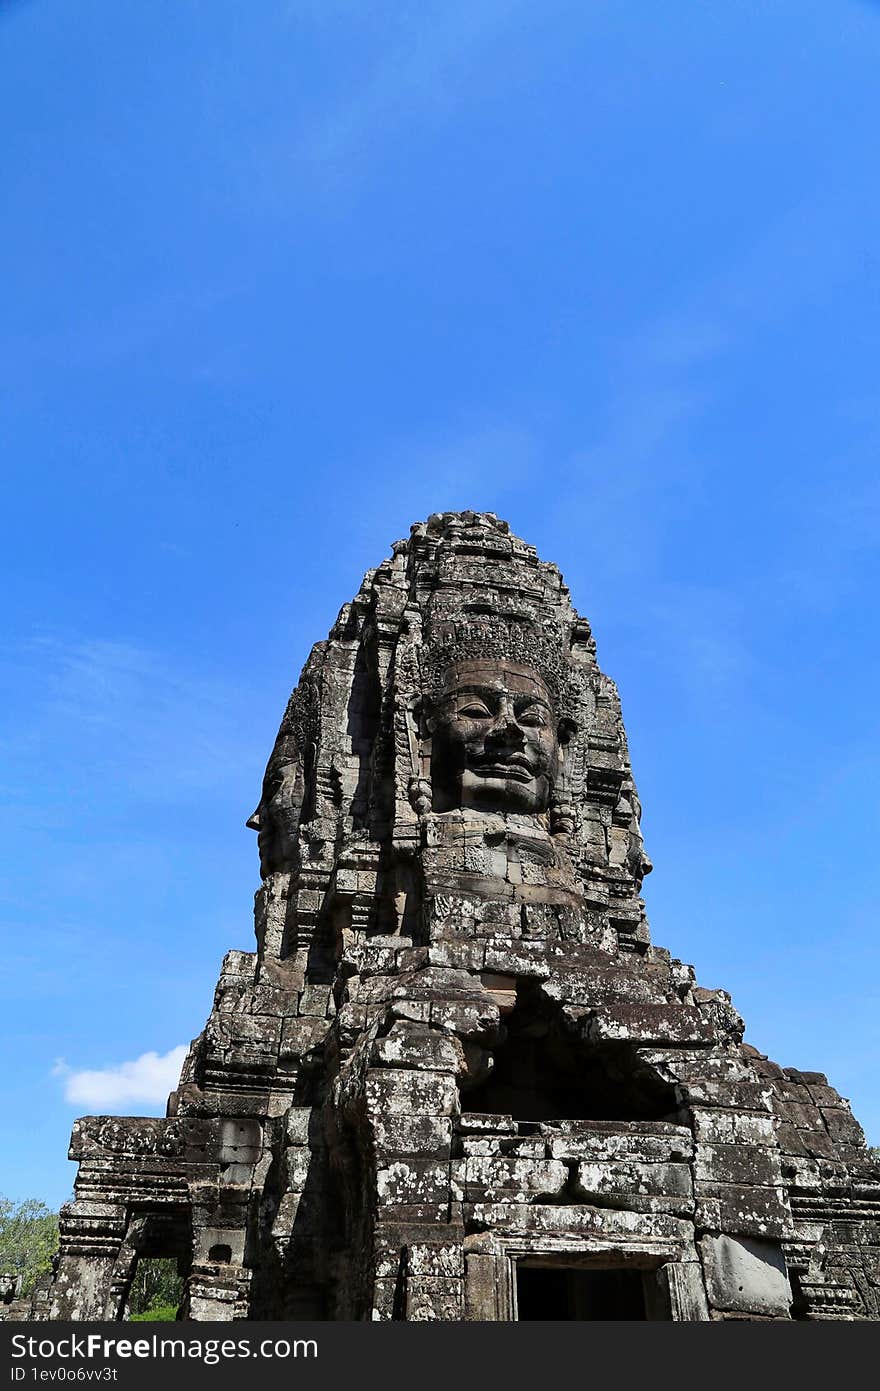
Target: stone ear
[(426, 716), (565, 730)]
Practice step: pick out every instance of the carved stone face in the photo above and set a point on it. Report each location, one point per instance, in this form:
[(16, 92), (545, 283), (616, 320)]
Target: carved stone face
[(494, 739), (276, 818)]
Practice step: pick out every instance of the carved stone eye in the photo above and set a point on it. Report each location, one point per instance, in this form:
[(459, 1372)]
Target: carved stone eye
[(532, 717), (475, 710), (273, 785)]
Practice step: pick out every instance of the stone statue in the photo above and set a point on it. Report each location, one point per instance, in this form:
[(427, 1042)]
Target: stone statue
[(456, 1080)]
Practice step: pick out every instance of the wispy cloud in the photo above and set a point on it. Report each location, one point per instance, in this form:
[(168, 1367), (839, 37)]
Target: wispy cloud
[(146, 1080)]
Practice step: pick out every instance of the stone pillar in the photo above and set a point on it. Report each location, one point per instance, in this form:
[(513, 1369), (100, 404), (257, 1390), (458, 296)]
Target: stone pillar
[(216, 1292), (92, 1234)]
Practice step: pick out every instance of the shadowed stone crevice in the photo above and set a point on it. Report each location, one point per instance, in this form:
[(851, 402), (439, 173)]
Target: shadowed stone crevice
[(545, 1070)]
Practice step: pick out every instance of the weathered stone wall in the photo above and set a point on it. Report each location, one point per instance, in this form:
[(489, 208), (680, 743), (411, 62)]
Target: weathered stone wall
[(455, 1055)]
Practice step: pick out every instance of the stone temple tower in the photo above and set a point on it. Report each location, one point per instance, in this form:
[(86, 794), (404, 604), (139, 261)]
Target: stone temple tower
[(456, 1080)]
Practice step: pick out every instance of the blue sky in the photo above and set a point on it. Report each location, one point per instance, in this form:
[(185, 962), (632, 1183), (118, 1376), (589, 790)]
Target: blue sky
[(281, 279)]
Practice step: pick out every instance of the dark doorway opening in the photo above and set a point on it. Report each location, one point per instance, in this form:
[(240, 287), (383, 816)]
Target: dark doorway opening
[(555, 1292)]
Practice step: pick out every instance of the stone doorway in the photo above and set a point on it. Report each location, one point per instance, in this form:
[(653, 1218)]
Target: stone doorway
[(563, 1293)]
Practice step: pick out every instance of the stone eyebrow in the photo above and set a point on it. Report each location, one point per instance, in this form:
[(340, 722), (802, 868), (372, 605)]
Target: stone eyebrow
[(520, 698), (471, 689)]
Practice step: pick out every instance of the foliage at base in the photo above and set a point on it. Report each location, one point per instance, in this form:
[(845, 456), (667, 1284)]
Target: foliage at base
[(28, 1240), (160, 1313)]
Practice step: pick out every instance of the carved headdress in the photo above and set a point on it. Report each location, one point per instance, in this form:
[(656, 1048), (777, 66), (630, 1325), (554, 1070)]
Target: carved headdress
[(541, 646)]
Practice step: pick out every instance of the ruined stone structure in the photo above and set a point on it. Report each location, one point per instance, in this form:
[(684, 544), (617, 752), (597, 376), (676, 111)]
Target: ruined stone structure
[(456, 1080)]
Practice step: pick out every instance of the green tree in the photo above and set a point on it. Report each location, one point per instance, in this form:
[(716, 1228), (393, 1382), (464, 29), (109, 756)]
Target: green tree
[(156, 1289), (28, 1239)]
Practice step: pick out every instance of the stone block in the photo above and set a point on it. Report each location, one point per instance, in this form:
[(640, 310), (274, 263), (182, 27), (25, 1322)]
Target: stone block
[(526, 960), (743, 1164), (238, 1141), (385, 1300), (457, 952), (802, 1116), (518, 1147), (297, 1161), (604, 987), (576, 1222), (717, 1127), (394, 1090), (842, 1126), (473, 1019), (699, 1066), (302, 1036), (807, 1079), (239, 963), (746, 1275), (649, 1149), (232, 1030), (434, 1299), (404, 1047), (476, 1123), (620, 1178), (519, 1180), (316, 1000), (680, 1292), (440, 983), (419, 1011), (270, 999), (424, 1135), (731, 1094), (742, 1210), (405, 1219), (413, 1181), (651, 1023), (483, 1300), (443, 1259), (297, 1122)]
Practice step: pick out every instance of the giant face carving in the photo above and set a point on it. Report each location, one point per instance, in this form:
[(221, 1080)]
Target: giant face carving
[(275, 819), (494, 738)]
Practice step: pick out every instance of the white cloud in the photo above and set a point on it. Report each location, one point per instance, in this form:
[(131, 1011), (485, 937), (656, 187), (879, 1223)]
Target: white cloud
[(148, 1080)]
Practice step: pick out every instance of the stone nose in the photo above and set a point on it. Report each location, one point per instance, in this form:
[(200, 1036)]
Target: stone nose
[(504, 726)]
